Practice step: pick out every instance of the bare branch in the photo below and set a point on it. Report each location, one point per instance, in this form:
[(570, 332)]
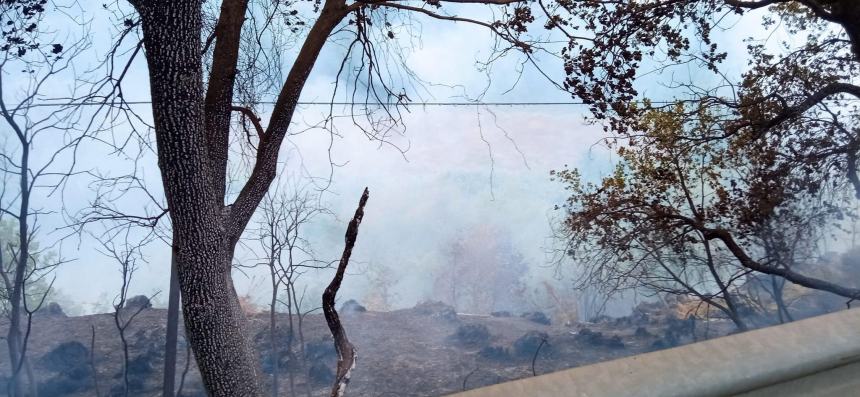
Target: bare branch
[(346, 355)]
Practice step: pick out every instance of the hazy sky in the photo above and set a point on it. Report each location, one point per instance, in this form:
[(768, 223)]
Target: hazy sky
[(464, 167)]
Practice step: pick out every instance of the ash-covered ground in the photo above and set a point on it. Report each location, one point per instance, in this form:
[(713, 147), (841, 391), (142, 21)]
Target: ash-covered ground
[(428, 350)]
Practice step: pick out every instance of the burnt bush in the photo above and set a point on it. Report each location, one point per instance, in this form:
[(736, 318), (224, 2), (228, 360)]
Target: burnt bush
[(67, 358), (471, 335), (264, 347), (436, 309), (640, 318), (623, 322), (597, 339), (674, 333), (600, 319), (677, 330), (140, 369), (589, 337), (63, 385), (138, 302), (135, 387), (497, 353), (681, 327), (352, 306), (320, 350), (320, 373), (642, 332), (149, 341), (665, 343), (52, 309), (537, 317), (267, 362), (527, 345), (614, 342), (141, 366), (70, 360)]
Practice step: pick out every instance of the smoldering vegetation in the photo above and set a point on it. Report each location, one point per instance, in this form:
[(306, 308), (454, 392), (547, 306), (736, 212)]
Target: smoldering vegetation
[(428, 350)]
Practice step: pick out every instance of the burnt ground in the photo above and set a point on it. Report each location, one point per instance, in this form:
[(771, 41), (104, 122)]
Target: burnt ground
[(428, 350)]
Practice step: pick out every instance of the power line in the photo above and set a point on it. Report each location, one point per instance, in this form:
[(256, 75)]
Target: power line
[(322, 103), (337, 103)]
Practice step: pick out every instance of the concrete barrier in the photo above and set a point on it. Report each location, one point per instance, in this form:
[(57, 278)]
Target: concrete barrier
[(814, 357)]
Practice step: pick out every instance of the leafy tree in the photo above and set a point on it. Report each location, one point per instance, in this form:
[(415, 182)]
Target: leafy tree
[(29, 65), (38, 286), (683, 218), (752, 165)]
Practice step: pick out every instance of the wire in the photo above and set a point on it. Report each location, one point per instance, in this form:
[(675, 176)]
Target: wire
[(318, 103), (321, 103)]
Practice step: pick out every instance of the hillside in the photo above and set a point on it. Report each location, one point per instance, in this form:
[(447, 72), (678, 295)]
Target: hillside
[(427, 350)]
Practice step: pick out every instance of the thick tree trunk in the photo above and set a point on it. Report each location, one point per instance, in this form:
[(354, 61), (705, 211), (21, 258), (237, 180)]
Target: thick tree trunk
[(214, 322), (191, 130), (215, 325)]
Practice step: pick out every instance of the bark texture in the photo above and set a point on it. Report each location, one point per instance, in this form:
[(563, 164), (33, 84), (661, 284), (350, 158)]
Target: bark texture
[(345, 350), (191, 129), (202, 249)]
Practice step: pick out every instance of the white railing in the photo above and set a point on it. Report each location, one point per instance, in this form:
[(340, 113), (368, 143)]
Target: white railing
[(814, 357)]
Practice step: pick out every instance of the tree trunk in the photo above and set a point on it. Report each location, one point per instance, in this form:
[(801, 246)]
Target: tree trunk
[(731, 305), (274, 356), (14, 387), (14, 338), (191, 130), (214, 322), (781, 308), (215, 325)]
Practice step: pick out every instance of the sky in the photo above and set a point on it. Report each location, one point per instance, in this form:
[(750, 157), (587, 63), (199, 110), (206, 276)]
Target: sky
[(466, 167)]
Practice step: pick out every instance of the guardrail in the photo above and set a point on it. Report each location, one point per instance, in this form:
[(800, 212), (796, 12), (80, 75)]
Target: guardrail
[(819, 356)]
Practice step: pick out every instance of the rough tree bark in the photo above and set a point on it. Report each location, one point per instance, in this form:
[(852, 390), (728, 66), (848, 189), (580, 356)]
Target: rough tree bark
[(191, 129), (345, 350)]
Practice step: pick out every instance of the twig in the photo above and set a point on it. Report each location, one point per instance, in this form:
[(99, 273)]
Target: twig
[(345, 351), (466, 378), (185, 370), (93, 361), (542, 342)]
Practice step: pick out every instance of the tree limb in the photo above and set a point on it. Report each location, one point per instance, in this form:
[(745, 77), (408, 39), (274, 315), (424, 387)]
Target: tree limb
[(253, 117), (345, 350), (266, 163), (219, 94), (746, 261)]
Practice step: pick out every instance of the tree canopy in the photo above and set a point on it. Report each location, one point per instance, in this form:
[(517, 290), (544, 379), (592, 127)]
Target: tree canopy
[(755, 167)]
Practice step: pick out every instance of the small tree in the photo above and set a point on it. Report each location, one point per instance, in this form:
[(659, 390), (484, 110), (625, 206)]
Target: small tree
[(483, 271), (381, 281), (687, 218), (31, 61), (127, 255), (287, 254)]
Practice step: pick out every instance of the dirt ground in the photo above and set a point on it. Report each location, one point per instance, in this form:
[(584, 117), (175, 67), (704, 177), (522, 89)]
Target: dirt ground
[(428, 350)]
